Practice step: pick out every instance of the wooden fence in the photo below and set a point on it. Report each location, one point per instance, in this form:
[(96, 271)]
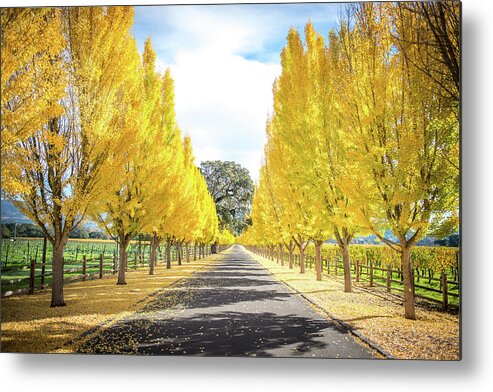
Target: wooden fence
[(85, 269), (389, 278)]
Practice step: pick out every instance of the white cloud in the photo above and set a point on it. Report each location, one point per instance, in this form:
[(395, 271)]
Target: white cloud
[(223, 91), (222, 101)]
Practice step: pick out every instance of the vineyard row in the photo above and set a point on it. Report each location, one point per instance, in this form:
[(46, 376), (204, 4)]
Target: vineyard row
[(373, 267)]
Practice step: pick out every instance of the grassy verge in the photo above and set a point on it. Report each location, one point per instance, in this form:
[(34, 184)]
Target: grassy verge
[(29, 324), (435, 335)]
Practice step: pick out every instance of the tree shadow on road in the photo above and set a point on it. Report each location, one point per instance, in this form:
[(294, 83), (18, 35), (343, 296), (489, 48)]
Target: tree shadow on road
[(207, 297), (224, 334), (219, 281), (201, 316)]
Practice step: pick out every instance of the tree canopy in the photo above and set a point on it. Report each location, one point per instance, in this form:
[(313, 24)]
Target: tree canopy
[(88, 129), (231, 188), (364, 136)]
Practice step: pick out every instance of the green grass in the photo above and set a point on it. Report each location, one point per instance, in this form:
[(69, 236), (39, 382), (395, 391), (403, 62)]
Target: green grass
[(19, 253), (16, 258), (24, 275)]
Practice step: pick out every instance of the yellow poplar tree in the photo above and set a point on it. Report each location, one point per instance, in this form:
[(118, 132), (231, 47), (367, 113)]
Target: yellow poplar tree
[(226, 238), (397, 178), (209, 229), (428, 35), (326, 141), (136, 199), (264, 216), (190, 209), (170, 174), (187, 216), (291, 135), (273, 220), (66, 164), (33, 80)]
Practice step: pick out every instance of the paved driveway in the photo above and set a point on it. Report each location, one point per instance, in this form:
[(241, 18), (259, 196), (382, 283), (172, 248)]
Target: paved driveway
[(235, 308)]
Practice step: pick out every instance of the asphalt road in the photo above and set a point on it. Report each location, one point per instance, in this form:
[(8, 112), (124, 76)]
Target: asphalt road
[(236, 308)]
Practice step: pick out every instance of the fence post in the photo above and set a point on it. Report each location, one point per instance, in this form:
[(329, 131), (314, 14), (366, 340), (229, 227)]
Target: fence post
[(328, 264), (389, 277), (43, 261), (114, 264), (356, 265), (101, 266), (335, 265), (84, 266), (371, 274), (444, 290), (32, 274), (135, 261)]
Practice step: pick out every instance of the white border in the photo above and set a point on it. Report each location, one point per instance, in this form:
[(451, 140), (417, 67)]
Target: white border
[(473, 373)]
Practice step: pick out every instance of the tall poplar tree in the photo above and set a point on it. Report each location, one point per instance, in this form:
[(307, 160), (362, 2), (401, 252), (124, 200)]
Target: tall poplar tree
[(137, 199), (398, 180), (65, 164), (33, 80)]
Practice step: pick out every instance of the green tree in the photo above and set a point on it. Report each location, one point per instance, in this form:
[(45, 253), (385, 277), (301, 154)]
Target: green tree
[(231, 188)]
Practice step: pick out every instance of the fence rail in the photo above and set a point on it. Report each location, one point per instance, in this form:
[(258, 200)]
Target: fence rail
[(388, 278), (88, 268)]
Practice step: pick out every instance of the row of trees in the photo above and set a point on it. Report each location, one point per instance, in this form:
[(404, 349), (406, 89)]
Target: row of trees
[(365, 135), (89, 130)]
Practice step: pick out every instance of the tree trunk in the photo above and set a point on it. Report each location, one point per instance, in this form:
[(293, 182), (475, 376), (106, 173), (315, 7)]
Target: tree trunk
[(343, 242), (346, 262), (318, 259), (57, 270), (280, 254), (178, 252), (152, 261), (195, 252), (291, 257), (214, 247), (187, 250), (168, 254), (123, 259), (302, 260), (409, 311)]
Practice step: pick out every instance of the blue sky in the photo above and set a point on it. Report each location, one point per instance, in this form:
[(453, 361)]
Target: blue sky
[(224, 59)]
